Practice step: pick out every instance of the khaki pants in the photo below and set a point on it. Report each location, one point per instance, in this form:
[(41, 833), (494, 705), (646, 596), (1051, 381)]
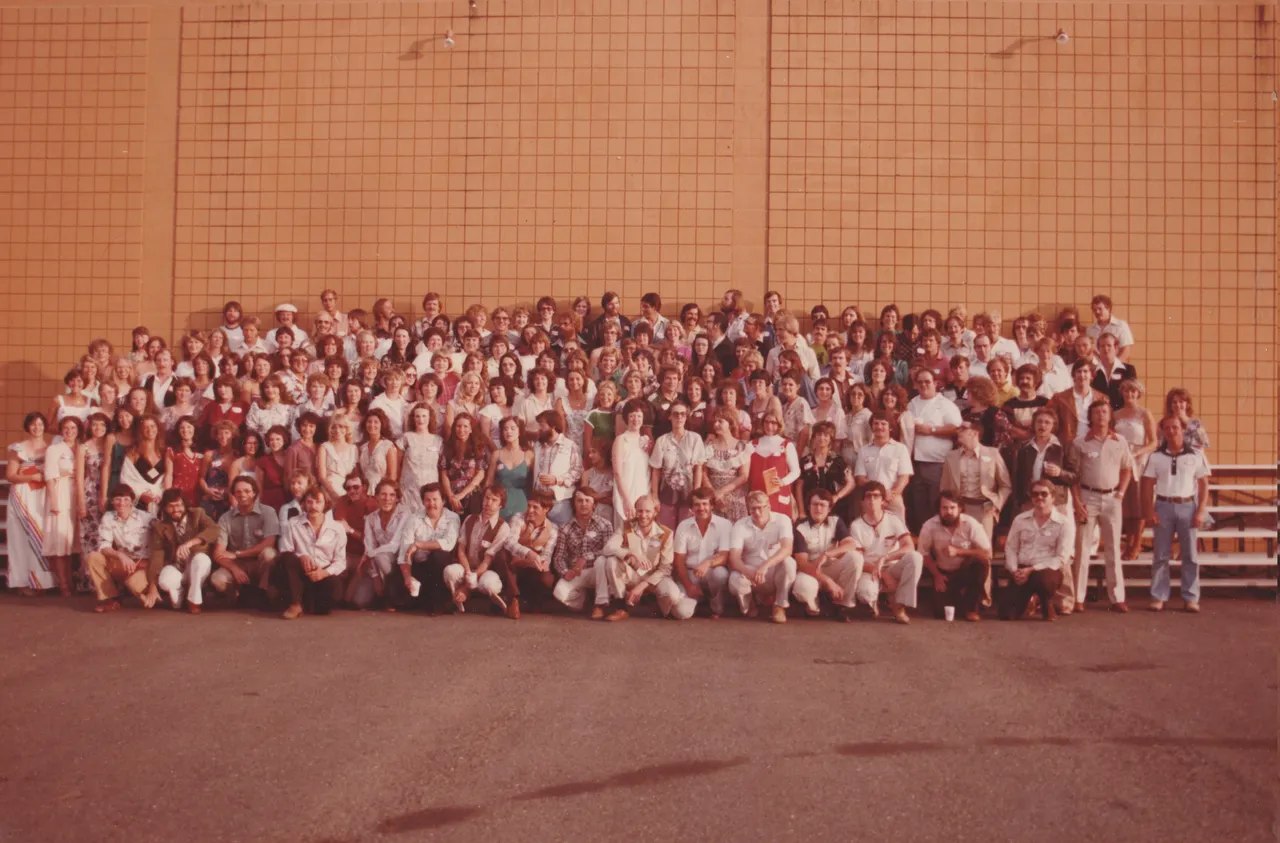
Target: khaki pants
[(675, 602), (845, 570), (613, 578), (258, 569), (488, 583), (106, 572), (1103, 513), (778, 583), (905, 572)]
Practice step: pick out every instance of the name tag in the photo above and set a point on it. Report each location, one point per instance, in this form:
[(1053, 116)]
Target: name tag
[(257, 534), (986, 459), (655, 541), (484, 542), (590, 534), (1093, 455)]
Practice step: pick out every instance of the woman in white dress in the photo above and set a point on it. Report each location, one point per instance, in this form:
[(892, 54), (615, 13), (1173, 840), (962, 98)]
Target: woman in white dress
[(60, 534), (73, 403), (537, 401), (420, 463), (574, 405), (630, 463), (857, 422), (336, 458), (29, 571), (378, 455), (393, 403), (502, 394)]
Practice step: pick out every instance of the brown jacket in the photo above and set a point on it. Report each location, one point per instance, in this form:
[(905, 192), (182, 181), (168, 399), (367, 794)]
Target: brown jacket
[(1063, 405), (993, 475), (164, 540)]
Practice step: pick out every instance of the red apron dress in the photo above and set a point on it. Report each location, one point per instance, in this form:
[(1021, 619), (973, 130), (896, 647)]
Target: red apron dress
[(779, 501)]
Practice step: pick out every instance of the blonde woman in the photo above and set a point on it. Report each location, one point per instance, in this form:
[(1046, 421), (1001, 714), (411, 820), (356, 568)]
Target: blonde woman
[(468, 400), (336, 457)]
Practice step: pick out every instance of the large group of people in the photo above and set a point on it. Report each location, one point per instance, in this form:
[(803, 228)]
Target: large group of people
[(554, 457)]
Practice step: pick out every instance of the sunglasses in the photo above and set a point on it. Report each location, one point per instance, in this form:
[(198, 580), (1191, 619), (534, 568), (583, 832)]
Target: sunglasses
[(1040, 494)]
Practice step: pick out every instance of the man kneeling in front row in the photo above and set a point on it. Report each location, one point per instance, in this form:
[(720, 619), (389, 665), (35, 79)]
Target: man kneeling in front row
[(317, 558), (825, 558), (957, 551), (760, 559), (1040, 547), (181, 539), (890, 559), (701, 551), (638, 558)]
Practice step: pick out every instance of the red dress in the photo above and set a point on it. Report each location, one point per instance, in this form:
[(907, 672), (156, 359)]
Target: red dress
[(273, 493), (779, 501), (186, 474)]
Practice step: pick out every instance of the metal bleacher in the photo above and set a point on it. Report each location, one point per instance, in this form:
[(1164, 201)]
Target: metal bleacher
[(1237, 551)]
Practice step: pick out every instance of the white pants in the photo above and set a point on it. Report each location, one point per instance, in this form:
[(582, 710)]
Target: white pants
[(779, 583), (675, 602), (906, 572), (844, 569), (488, 583), (1104, 516), (363, 590), (573, 593), (171, 580), (614, 578)]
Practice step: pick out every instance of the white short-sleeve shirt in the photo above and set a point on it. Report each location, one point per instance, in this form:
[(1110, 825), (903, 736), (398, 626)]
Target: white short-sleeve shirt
[(878, 540), (698, 546), (759, 543), (936, 411), (884, 463)]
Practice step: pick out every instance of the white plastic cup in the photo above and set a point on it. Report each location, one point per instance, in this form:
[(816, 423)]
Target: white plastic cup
[(949, 612), (414, 587)]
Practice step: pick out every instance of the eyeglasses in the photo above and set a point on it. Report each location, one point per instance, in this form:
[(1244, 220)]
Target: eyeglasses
[(1040, 494)]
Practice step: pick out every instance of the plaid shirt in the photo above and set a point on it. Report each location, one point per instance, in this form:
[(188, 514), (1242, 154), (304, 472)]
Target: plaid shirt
[(576, 541)]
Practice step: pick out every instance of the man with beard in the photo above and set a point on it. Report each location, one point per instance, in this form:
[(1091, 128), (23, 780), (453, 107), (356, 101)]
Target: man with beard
[(316, 559), (557, 465), (957, 552), (635, 560), (180, 542)]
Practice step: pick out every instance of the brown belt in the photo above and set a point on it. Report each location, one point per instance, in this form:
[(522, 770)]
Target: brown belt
[(1168, 499), (1099, 491), (975, 500)]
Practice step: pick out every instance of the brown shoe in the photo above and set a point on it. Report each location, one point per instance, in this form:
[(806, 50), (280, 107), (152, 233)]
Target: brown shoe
[(617, 615), (597, 613), (900, 615), (292, 613), (779, 615), (1079, 608), (1192, 607), (1156, 606), (107, 606), (193, 608), (1050, 613), (753, 611), (1121, 607), (973, 617), (513, 609)]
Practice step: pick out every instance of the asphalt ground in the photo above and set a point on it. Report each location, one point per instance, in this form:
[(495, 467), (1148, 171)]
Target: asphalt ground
[(237, 726)]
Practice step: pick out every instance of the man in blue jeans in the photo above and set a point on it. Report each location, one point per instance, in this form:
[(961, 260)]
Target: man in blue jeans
[(1175, 494)]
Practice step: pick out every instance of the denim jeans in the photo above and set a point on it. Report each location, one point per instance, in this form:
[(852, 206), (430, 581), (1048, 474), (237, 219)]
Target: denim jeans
[(561, 512), (1176, 518)]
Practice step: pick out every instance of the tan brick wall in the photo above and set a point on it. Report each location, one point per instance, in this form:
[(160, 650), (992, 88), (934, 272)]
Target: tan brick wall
[(156, 161)]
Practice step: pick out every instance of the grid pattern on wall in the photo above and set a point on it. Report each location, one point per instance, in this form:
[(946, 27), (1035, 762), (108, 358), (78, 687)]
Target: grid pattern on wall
[(344, 146), (938, 153), (72, 91)]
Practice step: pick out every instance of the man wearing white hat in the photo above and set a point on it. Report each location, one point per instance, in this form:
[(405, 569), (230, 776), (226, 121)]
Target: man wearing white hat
[(287, 317)]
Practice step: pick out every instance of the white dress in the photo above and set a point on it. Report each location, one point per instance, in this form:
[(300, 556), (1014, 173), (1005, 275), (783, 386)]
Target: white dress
[(338, 464), (631, 467), (373, 461), (419, 466), (24, 523), (60, 532)]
